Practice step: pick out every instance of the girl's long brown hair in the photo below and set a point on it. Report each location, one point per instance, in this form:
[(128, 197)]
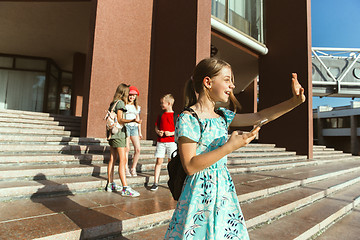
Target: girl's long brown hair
[(122, 93), (208, 67)]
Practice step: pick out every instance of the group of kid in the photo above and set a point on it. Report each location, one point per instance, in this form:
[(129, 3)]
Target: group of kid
[(128, 115), (208, 207)]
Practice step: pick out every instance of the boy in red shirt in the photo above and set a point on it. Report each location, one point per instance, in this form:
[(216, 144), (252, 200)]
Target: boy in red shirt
[(165, 129)]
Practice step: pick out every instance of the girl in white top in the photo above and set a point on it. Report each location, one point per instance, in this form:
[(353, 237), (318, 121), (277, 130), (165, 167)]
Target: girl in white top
[(133, 130)]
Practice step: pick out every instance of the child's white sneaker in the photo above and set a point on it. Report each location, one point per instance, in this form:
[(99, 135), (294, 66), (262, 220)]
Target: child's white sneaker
[(127, 172), (129, 192), (111, 187), (133, 172)]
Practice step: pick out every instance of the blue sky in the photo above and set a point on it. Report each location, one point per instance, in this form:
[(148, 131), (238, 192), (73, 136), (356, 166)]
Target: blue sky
[(334, 23)]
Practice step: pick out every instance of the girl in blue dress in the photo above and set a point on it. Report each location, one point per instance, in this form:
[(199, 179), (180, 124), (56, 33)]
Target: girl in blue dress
[(208, 207)]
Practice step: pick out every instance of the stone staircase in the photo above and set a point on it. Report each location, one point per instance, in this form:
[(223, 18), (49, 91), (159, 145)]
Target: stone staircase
[(52, 181)]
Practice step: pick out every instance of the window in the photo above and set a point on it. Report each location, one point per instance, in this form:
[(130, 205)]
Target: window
[(31, 83), (340, 122), (244, 15)]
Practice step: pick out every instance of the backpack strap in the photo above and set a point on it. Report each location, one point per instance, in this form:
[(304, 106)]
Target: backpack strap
[(222, 114), (193, 113), (112, 109)]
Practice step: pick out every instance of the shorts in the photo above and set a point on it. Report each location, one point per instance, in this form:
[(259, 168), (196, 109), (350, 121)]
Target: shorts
[(132, 130), (163, 148), (117, 142)]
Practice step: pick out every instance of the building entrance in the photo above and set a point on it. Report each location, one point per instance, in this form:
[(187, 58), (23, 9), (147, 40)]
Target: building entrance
[(33, 84)]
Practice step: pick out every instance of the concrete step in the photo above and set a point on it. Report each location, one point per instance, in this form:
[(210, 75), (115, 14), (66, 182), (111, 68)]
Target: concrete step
[(64, 178), (347, 227), (14, 122), (21, 139), (146, 162), (27, 184), (18, 172), (309, 221), (47, 148), (16, 114), (86, 158), (328, 153), (273, 166), (41, 132), (257, 154), (8, 120), (260, 145), (266, 211), (253, 148), (13, 125), (102, 148), (43, 185), (37, 159), (97, 214), (83, 216), (94, 146), (335, 157), (155, 233), (79, 167), (322, 148), (265, 159), (21, 172), (263, 184), (12, 173), (272, 207), (315, 150)]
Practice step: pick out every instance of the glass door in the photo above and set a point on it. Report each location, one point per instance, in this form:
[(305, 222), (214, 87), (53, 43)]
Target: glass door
[(33, 84), (21, 89)]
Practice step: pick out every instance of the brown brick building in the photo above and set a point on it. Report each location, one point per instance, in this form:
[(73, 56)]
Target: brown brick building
[(92, 46)]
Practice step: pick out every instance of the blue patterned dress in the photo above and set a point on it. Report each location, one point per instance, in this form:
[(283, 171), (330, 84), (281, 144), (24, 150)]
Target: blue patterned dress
[(208, 207)]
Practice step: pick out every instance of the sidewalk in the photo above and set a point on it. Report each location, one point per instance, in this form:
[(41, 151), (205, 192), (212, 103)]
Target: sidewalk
[(75, 216)]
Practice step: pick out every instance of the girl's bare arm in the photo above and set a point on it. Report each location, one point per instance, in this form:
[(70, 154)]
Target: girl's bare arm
[(194, 163)]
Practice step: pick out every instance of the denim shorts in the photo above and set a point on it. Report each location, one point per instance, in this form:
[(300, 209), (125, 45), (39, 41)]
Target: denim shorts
[(132, 130), (165, 148)]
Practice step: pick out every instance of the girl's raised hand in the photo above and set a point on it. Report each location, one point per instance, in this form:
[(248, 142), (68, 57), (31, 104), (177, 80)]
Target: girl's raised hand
[(237, 140), (297, 89)]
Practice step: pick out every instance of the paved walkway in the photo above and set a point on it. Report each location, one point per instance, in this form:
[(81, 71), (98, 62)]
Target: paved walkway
[(75, 212)]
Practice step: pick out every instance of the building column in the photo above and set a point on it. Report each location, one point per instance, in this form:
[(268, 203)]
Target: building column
[(288, 37), (181, 37), (119, 53), (354, 137), (77, 89)]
